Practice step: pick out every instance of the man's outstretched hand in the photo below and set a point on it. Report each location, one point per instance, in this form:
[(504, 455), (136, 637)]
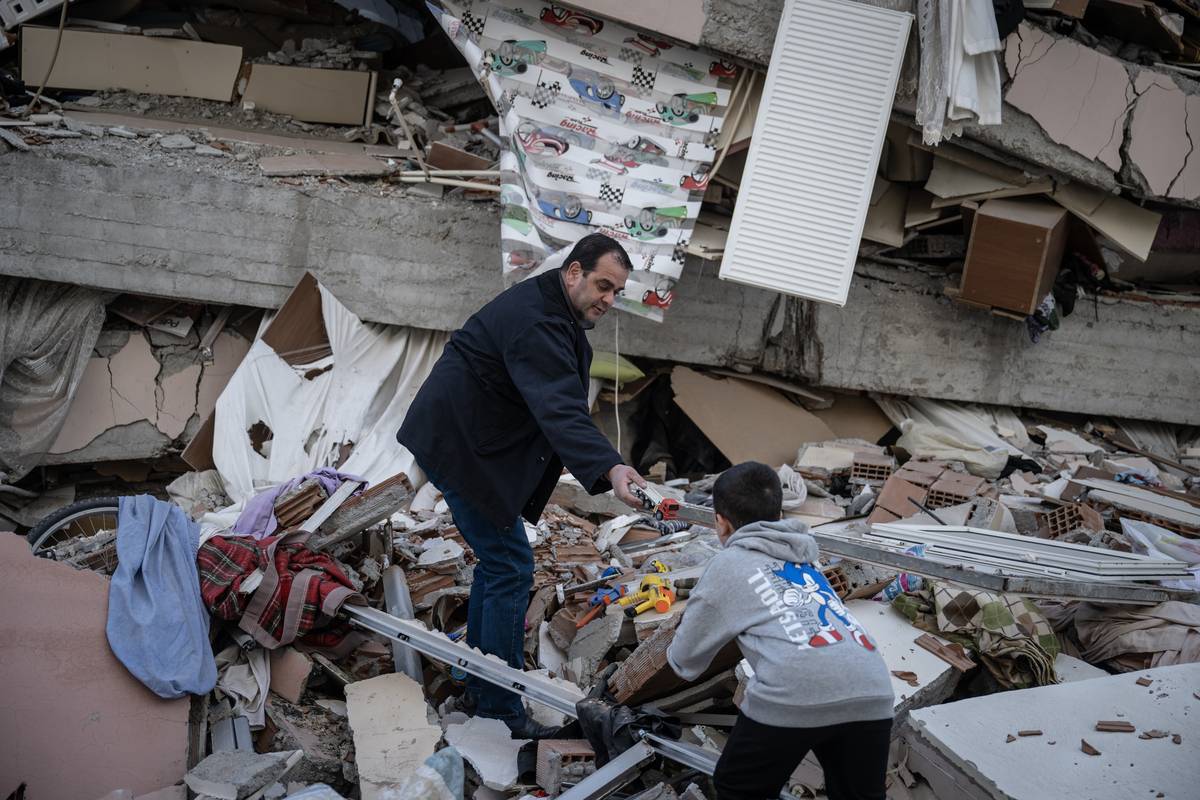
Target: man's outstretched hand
[(620, 477)]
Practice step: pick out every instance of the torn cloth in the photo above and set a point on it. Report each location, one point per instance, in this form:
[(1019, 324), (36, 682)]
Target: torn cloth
[(1156, 636), (1011, 634), (258, 516), (47, 332), (245, 675), (300, 593), (157, 625)]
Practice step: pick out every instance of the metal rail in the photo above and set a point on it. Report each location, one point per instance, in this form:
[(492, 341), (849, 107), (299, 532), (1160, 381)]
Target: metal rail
[(435, 645)]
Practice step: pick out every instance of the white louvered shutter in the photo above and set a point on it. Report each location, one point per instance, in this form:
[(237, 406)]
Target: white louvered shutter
[(812, 161)]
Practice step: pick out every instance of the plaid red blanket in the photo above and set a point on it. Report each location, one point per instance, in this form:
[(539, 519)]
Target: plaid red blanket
[(300, 593)]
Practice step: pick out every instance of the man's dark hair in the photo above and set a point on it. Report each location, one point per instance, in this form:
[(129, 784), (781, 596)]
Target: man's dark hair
[(593, 247), (748, 492)]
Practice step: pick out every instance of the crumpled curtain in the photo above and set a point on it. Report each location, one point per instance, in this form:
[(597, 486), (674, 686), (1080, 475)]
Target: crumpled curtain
[(960, 73), (47, 332)]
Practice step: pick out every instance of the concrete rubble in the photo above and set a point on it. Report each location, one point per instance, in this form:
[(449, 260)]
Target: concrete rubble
[(277, 215)]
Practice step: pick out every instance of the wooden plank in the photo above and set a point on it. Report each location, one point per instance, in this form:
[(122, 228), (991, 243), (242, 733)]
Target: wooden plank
[(98, 60), (340, 97), (324, 164), (359, 513), (955, 657)]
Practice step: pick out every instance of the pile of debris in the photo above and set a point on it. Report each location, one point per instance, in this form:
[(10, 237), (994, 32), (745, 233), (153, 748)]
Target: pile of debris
[(1099, 531)]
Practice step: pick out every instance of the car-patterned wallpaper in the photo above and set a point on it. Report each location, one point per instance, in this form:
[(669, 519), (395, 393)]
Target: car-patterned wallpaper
[(605, 128)]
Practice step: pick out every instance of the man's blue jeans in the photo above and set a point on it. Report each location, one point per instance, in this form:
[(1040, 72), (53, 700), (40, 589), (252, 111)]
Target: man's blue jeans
[(499, 598)]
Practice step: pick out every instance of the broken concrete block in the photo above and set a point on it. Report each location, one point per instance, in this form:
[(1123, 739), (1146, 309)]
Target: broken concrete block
[(392, 732), (290, 670), (488, 746), (176, 141), (237, 774), (206, 150), (439, 551), (563, 760), (592, 643)]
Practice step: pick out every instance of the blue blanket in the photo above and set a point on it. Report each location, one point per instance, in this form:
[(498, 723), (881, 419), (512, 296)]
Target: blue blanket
[(157, 623)]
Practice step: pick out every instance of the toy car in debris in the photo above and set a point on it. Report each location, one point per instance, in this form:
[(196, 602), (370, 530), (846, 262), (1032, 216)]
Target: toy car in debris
[(561, 205), (653, 223), (596, 89), (559, 17), (683, 109), (513, 57), (540, 141)]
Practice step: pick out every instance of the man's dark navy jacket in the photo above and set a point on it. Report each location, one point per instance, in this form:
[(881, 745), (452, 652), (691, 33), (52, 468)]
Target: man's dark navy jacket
[(506, 406)]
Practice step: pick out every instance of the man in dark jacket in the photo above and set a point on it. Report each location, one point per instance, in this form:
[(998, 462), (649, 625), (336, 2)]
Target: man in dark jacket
[(505, 407)]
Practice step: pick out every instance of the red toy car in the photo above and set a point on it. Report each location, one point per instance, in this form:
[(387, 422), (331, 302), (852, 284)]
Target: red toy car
[(572, 20)]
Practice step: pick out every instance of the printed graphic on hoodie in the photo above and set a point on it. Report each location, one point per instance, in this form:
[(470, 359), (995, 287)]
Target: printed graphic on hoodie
[(800, 597)]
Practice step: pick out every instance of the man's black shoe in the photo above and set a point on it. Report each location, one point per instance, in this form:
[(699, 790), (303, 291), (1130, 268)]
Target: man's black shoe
[(528, 728)]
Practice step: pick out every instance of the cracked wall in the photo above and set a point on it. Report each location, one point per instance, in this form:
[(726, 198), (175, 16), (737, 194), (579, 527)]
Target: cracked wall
[(1079, 96), (138, 399), (1138, 122)]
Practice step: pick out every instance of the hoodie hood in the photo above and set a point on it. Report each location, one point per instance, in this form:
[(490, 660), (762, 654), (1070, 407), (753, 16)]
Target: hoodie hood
[(785, 540)]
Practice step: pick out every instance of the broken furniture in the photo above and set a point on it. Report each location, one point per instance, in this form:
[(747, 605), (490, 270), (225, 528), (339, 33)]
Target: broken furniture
[(1013, 257)]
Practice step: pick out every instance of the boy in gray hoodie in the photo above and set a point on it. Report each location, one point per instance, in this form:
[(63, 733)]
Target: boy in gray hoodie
[(819, 683)]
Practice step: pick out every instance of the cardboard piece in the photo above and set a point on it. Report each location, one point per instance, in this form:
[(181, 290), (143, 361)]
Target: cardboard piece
[(1014, 254), (885, 214), (855, 416), (98, 60), (1129, 226), (67, 696), (338, 97), (746, 421), (950, 179)]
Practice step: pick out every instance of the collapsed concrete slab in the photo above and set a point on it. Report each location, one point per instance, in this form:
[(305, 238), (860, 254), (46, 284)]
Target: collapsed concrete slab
[(238, 774), (392, 734), (973, 748), (406, 260), (75, 722)]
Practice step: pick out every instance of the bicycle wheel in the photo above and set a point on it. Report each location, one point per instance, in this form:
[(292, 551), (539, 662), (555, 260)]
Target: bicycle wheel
[(80, 520)]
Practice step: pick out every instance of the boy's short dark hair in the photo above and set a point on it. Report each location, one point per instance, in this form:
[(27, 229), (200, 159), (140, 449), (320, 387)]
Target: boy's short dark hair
[(748, 492)]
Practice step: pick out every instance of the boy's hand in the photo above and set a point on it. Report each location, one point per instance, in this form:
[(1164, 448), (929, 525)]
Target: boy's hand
[(620, 477)]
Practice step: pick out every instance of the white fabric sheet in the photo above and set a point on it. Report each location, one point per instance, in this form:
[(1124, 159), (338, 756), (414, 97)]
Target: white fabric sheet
[(357, 396)]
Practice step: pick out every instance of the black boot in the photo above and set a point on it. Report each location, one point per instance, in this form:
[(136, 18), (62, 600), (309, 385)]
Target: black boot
[(527, 728)]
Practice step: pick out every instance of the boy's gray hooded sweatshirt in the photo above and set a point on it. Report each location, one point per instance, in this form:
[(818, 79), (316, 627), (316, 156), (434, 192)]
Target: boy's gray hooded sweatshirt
[(813, 663)]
